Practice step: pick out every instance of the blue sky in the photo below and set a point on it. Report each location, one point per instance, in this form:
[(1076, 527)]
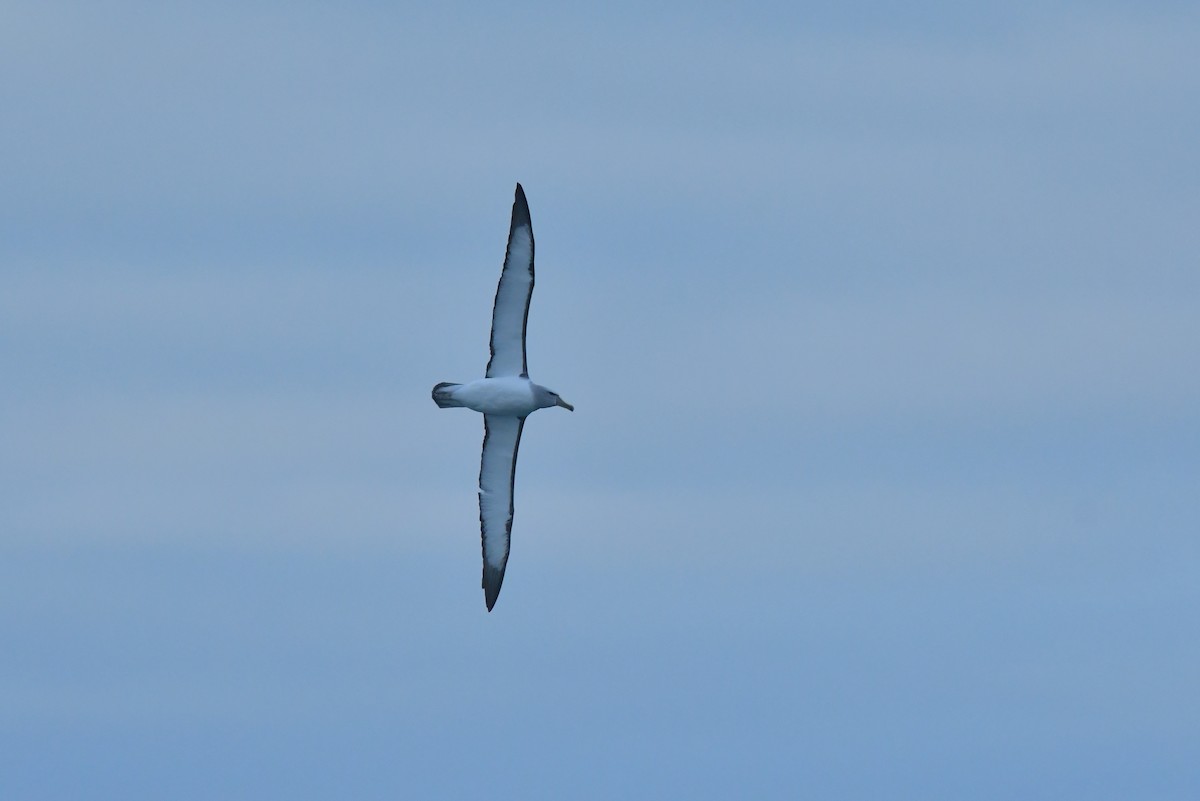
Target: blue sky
[(881, 329)]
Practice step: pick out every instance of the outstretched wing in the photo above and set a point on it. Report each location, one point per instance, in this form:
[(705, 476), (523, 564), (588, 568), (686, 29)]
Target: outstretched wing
[(511, 310), (501, 438)]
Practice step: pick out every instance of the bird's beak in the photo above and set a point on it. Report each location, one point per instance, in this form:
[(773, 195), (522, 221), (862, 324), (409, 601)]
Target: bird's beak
[(564, 404)]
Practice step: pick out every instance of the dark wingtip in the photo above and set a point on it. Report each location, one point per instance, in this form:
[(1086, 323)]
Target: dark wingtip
[(492, 579), (520, 214)]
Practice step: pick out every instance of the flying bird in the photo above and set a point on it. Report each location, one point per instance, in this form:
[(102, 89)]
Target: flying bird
[(505, 397)]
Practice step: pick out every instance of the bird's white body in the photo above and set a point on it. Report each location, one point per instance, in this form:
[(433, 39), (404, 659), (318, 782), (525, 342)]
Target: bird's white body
[(507, 396)]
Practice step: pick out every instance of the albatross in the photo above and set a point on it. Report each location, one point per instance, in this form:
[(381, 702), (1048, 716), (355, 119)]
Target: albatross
[(505, 397)]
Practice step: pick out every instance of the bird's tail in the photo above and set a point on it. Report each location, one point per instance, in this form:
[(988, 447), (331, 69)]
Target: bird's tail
[(443, 395)]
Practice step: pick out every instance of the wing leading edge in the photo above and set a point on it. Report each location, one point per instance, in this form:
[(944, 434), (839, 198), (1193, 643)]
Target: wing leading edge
[(510, 313), (497, 472)]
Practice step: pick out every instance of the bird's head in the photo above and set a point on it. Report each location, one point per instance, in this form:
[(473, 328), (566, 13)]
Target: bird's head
[(548, 398)]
